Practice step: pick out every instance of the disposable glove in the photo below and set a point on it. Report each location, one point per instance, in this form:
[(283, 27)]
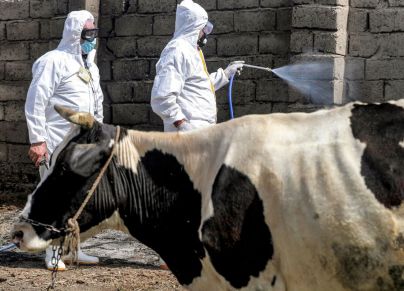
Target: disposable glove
[(185, 126), (233, 68), (37, 152)]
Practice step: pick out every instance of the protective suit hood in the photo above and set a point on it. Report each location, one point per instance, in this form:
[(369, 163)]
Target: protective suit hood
[(72, 31), (190, 19)]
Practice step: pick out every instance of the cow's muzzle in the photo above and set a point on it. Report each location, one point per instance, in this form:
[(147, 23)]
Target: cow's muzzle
[(17, 236)]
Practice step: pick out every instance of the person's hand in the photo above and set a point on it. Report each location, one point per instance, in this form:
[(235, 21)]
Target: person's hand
[(185, 126), (233, 68), (37, 152)]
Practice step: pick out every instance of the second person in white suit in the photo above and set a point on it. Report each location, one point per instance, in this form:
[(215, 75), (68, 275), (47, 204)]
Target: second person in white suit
[(183, 93)]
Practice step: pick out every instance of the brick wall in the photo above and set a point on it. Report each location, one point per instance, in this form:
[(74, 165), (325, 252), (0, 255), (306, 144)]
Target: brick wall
[(135, 32)]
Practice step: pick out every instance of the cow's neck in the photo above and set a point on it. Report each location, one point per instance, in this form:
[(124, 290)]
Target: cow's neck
[(158, 202)]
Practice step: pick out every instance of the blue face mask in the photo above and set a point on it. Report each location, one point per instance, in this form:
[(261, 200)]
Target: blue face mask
[(88, 46)]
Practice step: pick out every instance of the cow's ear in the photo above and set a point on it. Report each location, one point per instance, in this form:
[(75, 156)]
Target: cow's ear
[(86, 159)]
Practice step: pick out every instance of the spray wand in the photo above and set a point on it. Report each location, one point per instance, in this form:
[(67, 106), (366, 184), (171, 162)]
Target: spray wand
[(230, 97)]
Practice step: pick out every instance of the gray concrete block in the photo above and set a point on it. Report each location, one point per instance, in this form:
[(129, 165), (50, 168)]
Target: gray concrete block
[(334, 2), (62, 7), (394, 90), (18, 154), (257, 108), (106, 26), (130, 114), (128, 25), (23, 30), (125, 70), (155, 120), (17, 71), (14, 9), (363, 44), (56, 27), (15, 51), (272, 91), (386, 20), (392, 45), (236, 4), (321, 17), (13, 91), (2, 70), (146, 6), (3, 131), (142, 91), (42, 8), (111, 7), (122, 46), (301, 41), (211, 47), (365, 91), (330, 42), (37, 49), (3, 152), (164, 24), (103, 53), (232, 45), (120, 92), (207, 4), (151, 46), (284, 19), (2, 30), (317, 67), (276, 3), (243, 93), (105, 70), (384, 69), (16, 132), (260, 20), (274, 43), (365, 3), (357, 20), (354, 69), (223, 21), (14, 111)]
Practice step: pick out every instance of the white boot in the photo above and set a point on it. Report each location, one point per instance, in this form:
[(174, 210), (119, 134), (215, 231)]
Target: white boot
[(82, 258), (48, 260)]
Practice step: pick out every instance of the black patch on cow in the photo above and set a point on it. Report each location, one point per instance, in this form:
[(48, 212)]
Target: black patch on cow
[(397, 275), (381, 127), (237, 238), (273, 282), (356, 265), (162, 209)]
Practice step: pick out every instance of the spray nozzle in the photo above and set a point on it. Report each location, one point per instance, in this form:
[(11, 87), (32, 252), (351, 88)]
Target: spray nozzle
[(257, 67)]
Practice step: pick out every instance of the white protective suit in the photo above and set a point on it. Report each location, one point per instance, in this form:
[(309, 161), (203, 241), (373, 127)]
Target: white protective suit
[(183, 88), (56, 81)]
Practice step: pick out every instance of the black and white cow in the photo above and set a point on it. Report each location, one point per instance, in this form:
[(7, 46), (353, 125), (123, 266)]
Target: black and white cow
[(273, 202)]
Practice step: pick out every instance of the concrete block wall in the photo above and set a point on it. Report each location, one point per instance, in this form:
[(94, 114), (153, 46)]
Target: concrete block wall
[(361, 41), (376, 45), (319, 36), (28, 29), (135, 32)]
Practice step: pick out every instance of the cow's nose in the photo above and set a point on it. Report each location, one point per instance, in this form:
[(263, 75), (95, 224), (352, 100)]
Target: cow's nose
[(18, 235)]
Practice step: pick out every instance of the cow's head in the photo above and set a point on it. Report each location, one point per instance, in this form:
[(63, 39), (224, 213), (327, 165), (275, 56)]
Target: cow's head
[(74, 167)]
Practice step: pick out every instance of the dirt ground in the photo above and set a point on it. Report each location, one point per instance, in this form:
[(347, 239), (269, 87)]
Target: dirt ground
[(125, 264)]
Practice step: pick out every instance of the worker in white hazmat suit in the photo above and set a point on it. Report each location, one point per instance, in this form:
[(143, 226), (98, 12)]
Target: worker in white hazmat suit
[(66, 76), (183, 93)]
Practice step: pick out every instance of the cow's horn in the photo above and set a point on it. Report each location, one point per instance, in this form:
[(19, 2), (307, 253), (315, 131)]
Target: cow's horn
[(84, 119)]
